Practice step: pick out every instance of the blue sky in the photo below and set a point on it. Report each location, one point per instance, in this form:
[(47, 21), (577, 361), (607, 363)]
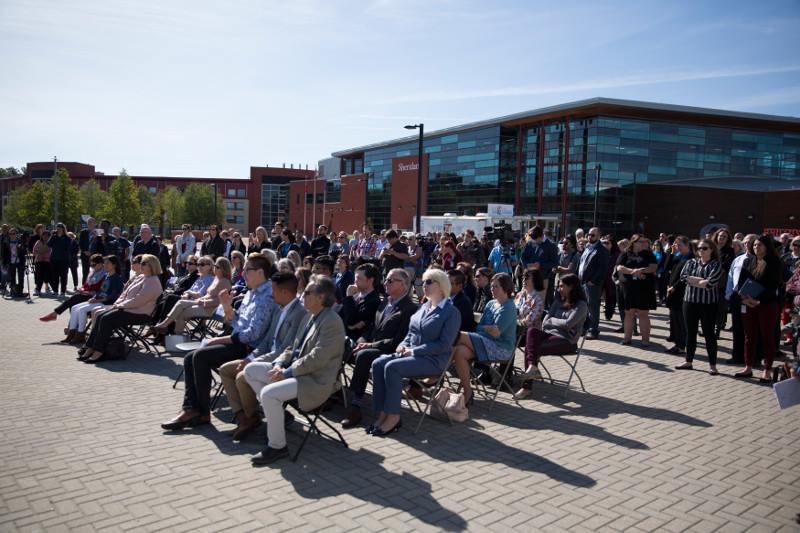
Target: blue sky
[(200, 88)]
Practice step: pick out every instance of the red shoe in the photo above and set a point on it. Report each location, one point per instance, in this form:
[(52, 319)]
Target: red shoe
[(48, 317)]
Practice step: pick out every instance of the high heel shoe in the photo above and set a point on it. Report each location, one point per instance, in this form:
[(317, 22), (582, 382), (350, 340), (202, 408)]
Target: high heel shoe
[(378, 432)]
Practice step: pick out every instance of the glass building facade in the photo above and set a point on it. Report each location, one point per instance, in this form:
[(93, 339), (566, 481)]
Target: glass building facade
[(551, 167), (274, 203)]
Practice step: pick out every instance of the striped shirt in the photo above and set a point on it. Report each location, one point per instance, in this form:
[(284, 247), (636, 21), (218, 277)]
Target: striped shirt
[(711, 271)]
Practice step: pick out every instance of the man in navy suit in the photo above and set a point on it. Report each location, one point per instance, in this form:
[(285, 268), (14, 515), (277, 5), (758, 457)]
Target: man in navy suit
[(592, 272), (391, 327)]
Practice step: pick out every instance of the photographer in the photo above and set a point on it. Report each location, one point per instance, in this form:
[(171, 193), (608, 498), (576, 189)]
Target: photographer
[(502, 258)]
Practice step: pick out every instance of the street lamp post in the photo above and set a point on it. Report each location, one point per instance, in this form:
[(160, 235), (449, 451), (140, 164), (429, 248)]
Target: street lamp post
[(596, 192), (55, 192), (421, 128)]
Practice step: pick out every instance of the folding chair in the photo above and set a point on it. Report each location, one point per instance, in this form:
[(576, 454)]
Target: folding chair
[(501, 371), (312, 417), (573, 367), (433, 391), (134, 334)]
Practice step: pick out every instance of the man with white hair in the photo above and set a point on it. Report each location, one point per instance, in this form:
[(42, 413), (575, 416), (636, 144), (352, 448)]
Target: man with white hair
[(145, 243), (391, 326)]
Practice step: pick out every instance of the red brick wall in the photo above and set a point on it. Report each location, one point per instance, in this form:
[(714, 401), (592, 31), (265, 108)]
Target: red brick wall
[(404, 190), (347, 215)]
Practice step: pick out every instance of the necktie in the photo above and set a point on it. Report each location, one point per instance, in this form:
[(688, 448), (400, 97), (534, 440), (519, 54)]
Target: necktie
[(297, 352)]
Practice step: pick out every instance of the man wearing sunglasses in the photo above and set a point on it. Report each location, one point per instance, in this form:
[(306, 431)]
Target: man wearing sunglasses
[(391, 326), (592, 272)]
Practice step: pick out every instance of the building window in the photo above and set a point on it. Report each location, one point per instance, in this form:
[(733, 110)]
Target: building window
[(234, 219), (234, 206), (274, 203)]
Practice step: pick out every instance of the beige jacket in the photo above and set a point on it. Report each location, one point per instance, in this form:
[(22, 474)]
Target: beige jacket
[(319, 361), (140, 296)]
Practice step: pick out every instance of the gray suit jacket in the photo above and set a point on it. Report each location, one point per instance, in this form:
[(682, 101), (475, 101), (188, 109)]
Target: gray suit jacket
[(320, 359), (285, 336)]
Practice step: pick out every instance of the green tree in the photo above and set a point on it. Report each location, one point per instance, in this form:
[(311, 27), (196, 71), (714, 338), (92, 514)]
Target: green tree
[(10, 172), (68, 199), (171, 204), (123, 201), (147, 206), (28, 206), (199, 205), (93, 199)]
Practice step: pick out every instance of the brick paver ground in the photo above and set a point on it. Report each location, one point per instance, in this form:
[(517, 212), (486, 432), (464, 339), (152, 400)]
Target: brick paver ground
[(646, 448)]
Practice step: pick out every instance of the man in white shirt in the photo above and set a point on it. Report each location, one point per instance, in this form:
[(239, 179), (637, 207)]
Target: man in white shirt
[(735, 302), (185, 245)]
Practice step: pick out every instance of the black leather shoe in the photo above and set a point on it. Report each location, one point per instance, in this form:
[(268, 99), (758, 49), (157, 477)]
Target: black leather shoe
[(743, 375), (377, 432), (269, 455)]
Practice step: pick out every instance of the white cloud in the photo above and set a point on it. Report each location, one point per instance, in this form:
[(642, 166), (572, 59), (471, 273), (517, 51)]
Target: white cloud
[(653, 78)]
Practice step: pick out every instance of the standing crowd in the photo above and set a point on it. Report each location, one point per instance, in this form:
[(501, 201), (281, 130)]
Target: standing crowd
[(397, 306)]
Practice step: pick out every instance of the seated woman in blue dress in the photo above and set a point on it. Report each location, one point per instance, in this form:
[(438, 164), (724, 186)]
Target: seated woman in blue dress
[(493, 338), (425, 351)]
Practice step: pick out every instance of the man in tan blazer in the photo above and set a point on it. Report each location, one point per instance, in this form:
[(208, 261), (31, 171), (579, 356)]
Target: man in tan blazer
[(306, 371)]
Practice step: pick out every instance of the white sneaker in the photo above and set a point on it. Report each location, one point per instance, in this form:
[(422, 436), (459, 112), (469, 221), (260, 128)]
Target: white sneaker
[(532, 373), (523, 393)]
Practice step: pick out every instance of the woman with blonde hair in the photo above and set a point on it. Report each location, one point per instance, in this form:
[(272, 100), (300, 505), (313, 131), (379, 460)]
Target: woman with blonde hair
[(202, 307), (134, 306), (425, 351)]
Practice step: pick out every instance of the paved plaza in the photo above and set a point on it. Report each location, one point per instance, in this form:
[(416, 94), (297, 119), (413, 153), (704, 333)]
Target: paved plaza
[(646, 448)]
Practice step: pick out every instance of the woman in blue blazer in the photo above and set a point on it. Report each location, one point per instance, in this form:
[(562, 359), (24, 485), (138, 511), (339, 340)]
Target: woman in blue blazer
[(425, 351)]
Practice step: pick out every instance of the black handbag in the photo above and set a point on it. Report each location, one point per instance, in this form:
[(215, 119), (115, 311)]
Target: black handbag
[(115, 349)]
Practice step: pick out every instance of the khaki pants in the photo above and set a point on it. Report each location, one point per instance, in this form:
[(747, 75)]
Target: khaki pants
[(241, 396), (185, 310)]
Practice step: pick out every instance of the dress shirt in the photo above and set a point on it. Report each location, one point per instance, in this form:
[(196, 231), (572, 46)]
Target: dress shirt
[(251, 320), (733, 275)]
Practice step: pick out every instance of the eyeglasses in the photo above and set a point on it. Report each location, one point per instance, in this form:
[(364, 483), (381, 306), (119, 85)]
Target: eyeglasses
[(390, 280), (703, 248), (192, 264), (217, 266), (204, 264), (429, 282)]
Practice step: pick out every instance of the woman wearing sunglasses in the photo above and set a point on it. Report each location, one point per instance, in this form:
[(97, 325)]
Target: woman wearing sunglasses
[(425, 351), (701, 301)]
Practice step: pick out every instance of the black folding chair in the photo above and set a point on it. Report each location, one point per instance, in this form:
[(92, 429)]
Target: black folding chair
[(431, 391), (312, 417), (573, 367)]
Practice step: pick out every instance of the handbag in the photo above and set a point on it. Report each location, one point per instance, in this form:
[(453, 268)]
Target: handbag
[(115, 349), (452, 404)]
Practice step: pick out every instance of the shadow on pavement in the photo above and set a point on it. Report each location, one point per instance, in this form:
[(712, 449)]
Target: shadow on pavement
[(359, 474)]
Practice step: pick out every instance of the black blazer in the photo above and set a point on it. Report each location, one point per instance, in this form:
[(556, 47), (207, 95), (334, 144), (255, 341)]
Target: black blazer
[(353, 312), (464, 306), (678, 286), (596, 265), (390, 331)]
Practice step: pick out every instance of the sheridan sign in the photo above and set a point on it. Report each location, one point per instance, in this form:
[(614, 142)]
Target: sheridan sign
[(407, 167)]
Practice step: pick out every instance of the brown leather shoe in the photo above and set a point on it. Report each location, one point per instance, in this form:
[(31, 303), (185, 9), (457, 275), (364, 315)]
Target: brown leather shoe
[(69, 338), (353, 418), (78, 338), (246, 426)]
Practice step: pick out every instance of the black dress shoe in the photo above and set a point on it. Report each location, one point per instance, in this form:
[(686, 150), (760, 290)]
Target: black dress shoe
[(378, 432), (269, 455), (353, 418), (743, 375)]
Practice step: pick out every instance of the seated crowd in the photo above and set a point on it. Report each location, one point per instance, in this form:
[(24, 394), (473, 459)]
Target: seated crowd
[(397, 308)]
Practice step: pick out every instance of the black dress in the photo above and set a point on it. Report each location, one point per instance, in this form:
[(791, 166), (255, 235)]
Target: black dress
[(639, 293)]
